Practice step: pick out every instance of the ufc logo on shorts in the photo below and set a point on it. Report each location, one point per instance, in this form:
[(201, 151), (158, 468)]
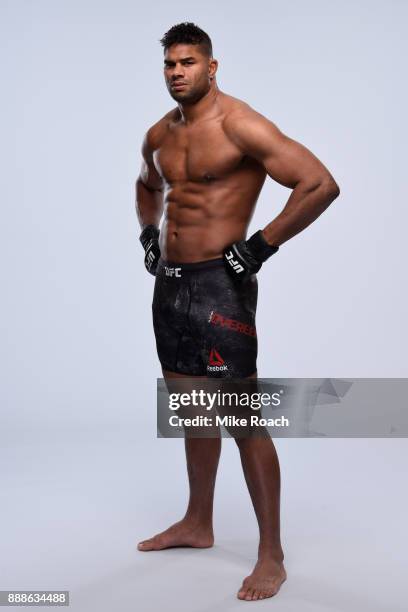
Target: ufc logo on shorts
[(172, 271), (233, 262)]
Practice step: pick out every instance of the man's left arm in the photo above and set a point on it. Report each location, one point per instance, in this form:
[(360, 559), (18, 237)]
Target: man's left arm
[(289, 163)]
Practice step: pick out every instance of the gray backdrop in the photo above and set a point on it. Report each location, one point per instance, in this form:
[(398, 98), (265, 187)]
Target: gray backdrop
[(83, 476)]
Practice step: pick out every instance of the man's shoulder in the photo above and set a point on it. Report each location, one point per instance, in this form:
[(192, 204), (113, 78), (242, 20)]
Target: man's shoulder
[(233, 105), (158, 130), (238, 112), (245, 126)]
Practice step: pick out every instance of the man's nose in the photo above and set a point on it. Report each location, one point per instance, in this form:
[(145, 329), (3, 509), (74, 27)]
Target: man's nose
[(178, 71)]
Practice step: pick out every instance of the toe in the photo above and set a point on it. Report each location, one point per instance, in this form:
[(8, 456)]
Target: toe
[(243, 590), (249, 593), (241, 593), (255, 594), (145, 545)]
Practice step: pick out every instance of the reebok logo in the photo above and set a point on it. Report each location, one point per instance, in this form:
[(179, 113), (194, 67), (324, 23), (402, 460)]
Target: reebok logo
[(215, 358), (172, 271), (216, 362)]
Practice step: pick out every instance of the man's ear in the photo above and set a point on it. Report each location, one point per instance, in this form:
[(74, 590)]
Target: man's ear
[(212, 68)]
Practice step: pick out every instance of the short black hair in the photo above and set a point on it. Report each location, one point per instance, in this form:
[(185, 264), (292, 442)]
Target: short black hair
[(189, 34)]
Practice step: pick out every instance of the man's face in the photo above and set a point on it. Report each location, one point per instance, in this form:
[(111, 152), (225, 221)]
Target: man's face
[(186, 71)]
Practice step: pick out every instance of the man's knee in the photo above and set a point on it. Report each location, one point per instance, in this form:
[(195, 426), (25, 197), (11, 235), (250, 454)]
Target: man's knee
[(251, 438)]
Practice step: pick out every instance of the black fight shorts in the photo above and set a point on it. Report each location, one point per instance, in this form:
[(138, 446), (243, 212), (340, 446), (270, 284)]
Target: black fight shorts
[(204, 322)]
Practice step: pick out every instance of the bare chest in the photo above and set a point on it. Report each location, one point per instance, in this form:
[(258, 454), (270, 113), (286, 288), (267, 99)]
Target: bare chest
[(196, 153)]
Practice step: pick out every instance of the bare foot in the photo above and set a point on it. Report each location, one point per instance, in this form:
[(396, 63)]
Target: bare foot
[(265, 581), (183, 533)]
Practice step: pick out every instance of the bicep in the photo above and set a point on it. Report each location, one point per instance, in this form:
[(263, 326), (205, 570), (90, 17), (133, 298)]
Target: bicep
[(148, 174)]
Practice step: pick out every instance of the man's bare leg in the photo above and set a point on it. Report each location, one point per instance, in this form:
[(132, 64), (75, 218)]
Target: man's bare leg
[(196, 528), (260, 464), (261, 469)]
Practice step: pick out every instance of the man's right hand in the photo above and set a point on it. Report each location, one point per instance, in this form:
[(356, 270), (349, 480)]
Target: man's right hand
[(150, 242)]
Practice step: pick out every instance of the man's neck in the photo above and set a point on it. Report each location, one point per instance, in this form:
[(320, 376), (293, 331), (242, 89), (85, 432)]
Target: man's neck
[(205, 105)]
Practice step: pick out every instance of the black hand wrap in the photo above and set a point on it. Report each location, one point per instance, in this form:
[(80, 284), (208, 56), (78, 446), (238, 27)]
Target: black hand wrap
[(246, 257), (150, 242)]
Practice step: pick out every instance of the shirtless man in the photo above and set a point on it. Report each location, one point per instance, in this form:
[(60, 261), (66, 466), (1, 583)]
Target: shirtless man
[(204, 165)]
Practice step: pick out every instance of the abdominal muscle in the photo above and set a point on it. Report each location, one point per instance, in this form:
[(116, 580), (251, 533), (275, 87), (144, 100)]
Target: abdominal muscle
[(199, 225)]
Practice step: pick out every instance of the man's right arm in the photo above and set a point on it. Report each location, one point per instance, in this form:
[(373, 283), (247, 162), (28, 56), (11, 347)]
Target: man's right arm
[(149, 205), (149, 188)]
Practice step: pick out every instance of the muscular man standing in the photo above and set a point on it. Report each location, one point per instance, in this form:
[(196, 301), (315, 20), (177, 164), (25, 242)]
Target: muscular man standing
[(204, 165)]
